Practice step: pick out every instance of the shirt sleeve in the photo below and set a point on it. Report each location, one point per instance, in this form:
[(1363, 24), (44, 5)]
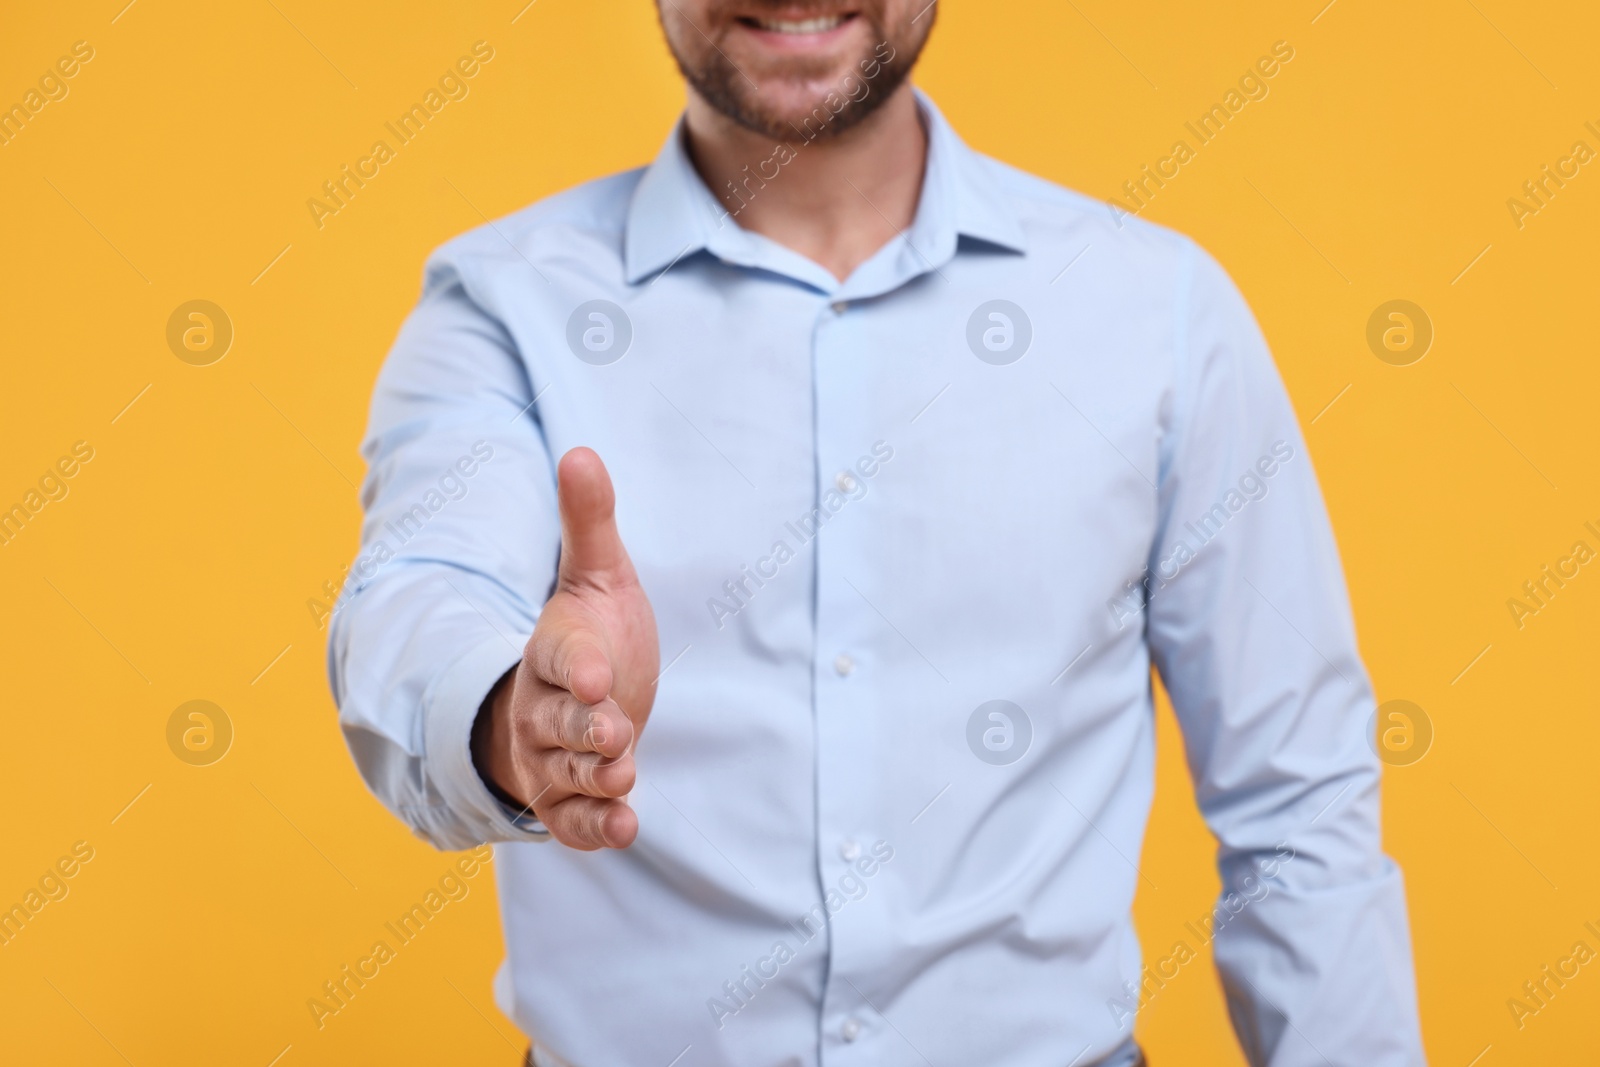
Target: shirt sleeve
[(458, 553), (1250, 628)]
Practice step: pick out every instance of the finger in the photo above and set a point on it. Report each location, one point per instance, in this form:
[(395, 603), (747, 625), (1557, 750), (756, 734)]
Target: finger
[(566, 652), (566, 773), (563, 721), (588, 823), (591, 548)]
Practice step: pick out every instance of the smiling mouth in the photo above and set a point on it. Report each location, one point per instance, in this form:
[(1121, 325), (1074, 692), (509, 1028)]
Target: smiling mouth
[(799, 27)]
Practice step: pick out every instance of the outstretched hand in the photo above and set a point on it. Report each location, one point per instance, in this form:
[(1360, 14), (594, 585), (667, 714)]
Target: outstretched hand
[(558, 735)]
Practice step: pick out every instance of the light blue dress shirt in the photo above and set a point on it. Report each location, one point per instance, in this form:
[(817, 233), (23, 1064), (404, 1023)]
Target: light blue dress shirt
[(915, 541)]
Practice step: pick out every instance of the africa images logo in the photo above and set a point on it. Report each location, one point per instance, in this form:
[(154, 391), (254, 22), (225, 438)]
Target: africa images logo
[(999, 332), (999, 732), (599, 332)]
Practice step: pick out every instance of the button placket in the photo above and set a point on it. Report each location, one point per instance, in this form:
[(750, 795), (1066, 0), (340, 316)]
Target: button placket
[(842, 434)]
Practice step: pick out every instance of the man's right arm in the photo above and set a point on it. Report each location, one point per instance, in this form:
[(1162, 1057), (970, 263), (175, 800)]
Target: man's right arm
[(465, 707), (458, 551)]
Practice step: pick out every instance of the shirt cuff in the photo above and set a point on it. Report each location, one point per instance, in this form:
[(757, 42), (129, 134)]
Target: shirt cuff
[(449, 710)]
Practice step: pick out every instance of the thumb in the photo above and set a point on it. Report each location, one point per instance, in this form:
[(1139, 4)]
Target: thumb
[(591, 548)]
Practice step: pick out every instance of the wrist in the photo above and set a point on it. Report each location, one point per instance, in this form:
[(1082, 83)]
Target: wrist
[(485, 737)]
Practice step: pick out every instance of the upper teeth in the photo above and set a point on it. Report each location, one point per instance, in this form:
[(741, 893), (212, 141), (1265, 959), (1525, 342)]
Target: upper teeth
[(818, 25)]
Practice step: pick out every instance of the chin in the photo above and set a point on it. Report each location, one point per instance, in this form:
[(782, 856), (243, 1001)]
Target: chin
[(798, 67), (791, 104)]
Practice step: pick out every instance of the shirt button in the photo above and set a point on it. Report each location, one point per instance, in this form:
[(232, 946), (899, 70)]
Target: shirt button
[(839, 307), (845, 481), (850, 850), (850, 1030), (843, 664)]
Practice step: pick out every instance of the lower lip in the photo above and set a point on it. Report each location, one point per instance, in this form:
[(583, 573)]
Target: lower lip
[(798, 42)]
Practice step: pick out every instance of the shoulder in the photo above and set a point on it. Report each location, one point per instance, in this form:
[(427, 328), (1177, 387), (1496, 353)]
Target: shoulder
[(1053, 216), (575, 223)]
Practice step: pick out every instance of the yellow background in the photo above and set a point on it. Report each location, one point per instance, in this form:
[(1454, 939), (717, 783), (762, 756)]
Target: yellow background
[(179, 566)]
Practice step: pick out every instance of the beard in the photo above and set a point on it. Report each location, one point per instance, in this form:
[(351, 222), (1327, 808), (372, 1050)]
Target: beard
[(816, 97)]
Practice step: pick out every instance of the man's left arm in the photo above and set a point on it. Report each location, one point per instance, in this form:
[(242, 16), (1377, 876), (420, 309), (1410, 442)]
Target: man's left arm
[(1249, 625)]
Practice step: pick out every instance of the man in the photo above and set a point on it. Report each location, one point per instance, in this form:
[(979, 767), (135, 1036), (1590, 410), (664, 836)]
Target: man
[(875, 476)]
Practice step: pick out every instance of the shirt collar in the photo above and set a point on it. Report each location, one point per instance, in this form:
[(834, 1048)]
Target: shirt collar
[(673, 215)]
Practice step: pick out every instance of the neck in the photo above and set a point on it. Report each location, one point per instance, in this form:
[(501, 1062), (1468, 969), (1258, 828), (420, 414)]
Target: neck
[(834, 200)]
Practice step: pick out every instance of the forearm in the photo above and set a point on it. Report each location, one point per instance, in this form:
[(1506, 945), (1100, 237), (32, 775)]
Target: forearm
[(411, 658), (1320, 977)]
